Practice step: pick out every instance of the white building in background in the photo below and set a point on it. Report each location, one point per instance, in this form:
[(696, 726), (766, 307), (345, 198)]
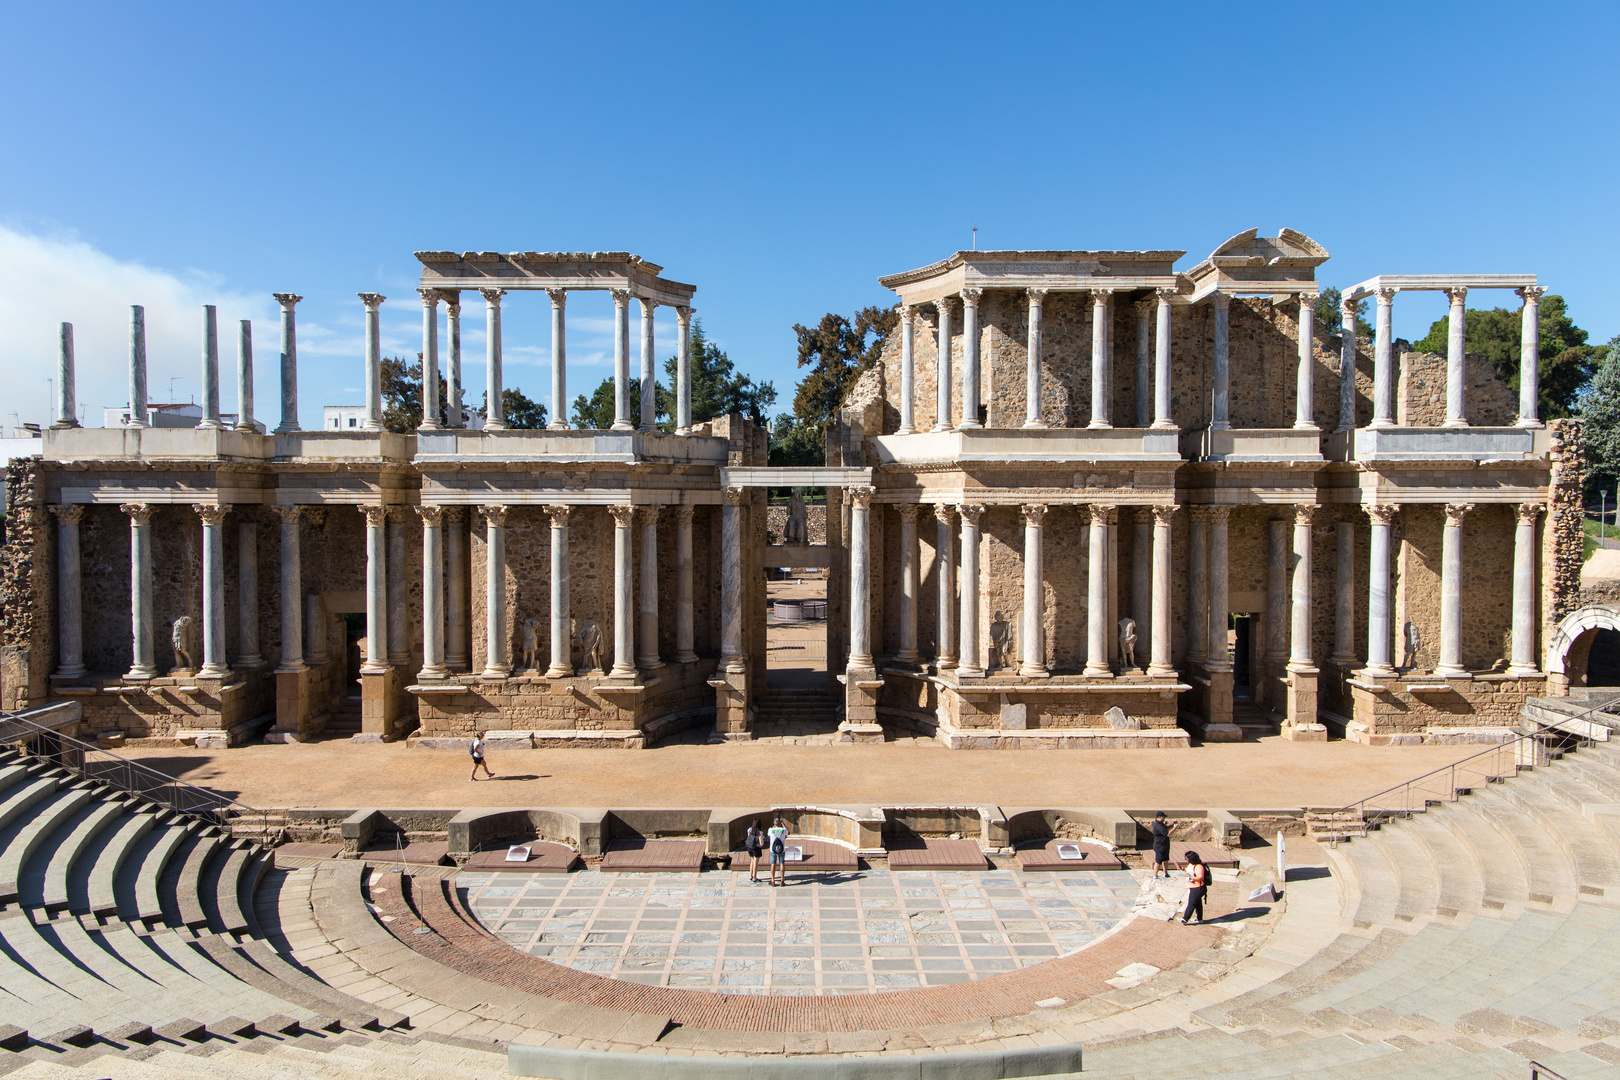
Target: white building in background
[(343, 417), (180, 414)]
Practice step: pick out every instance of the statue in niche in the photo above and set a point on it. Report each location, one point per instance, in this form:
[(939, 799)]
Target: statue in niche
[(531, 644), (180, 638), (1414, 642), (1127, 643), (1001, 641), (590, 644), (797, 530)]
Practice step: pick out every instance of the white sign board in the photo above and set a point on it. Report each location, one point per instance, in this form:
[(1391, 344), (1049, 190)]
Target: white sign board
[(1070, 851), (793, 854), (517, 853)]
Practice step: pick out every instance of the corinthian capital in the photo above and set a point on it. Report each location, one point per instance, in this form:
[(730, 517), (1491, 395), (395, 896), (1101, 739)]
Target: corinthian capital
[(432, 516), (944, 513), (67, 513), (1456, 511), (286, 299), (623, 516), (211, 513), (907, 512), (972, 295), (1164, 515), (1037, 297), (621, 297), (1386, 294), (1034, 513), (971, 513), (1100, 513), (376, 515), (1528, 512), (494, 514), (371, 300), (1531, 293), (559, 298), (1457, 294), (140, 513), (1305, 513), (649, 514), (559, 514), (430, 298), (1383, 513), (860, 496), (492, 297)]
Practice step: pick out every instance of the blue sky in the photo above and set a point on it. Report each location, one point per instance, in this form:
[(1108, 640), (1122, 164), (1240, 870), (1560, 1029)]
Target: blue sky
[(778, 157)]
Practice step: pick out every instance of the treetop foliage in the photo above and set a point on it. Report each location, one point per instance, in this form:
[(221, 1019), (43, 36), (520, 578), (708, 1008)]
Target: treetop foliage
[(1567, 361), (837, 350)]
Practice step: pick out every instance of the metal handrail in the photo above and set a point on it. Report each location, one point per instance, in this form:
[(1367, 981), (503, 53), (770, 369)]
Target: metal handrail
[(1538, 1071)]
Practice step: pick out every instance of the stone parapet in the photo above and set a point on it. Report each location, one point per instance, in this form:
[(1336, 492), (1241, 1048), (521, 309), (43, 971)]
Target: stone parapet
[(1412, 708)]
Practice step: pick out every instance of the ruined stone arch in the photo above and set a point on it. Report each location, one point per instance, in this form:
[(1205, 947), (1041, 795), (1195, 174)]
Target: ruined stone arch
[(1569, 646)]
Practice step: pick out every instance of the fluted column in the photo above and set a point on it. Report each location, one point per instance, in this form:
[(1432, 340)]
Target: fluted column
[(399, 639), (1530, 356), (139, 416), (430, 360), (909, 586), (1198, 585), (1144, 362), (1032, 635), (1524, 589), (559, 359), (649, 374), (1347, 364), (455, 409), (908, 371), (458, 645), (970, 358), (1220, 656), (1379, 638), (683, 370), (1102, 381), (244, 376), (970, 662), (1221, 401), (1159, 665), (1161, 363), (143, 662), (1384, 359), (497, 643), (432, 592), (494, 378), (942, 368), (1344, 596), (247, 593), (860, 578), (67, 396), (210, 369), (1097, 594), (624, 641), (1032, 363), (374, 409), (69, 592), (213, 587), (562, 634), (1456, 359), (1451, 556), (945, 583), (621, 360), (376, 590), (1305, 378), (684, 653), (732, 657), (1299, 653), (292, 589), (649, 660), (289, 361)]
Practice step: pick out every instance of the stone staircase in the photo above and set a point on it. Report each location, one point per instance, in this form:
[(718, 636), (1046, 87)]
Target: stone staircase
[(804, 712), (1255, 720), (344, 719)]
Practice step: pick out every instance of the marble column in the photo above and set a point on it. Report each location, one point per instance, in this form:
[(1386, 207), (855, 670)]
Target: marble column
[(908, 372), (945, 583), (1220, 655), (1451, 556), (244, 376), (1097, 594), (942, 366), (497, 641), (433, 666), (649, 660), (1277, 557), (213, 587), (683, 370), (247, 594), (399, 639), (289, 360), (1032, 635), (1347, 365), (1524, 590), (621, 360), (143, 662), (430, 360), (649, 373), (1144, 362), (559, 359), (1111, 579), (139, 416), (1305, 378), (1384, 359), (970, 358), (1142, 576), (1221, 400), (374, 408), (1456, 359), (1161, 364), (909, 583), (1102, 382), (1032, 363), (494, 379), (1530, 356), (210, 369), (562, 613), (455, 408), (624, 641), (67, 397), (1344, 596), (970, 662), (292, 590), (1379, 635), (1159, 665), (376, 660), (69, 592), (860, 578), (1299, 653), (732, 657), (317, 626), (684, 653), (1198, 585), (458, 644)]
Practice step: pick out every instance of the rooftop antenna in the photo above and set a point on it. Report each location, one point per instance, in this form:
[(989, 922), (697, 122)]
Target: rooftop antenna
[(172, 380), (975, 238)]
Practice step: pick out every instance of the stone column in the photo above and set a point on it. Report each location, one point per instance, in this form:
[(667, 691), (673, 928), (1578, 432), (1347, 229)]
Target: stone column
[(1161, 364), (1299, 652), (292, 590), (1219, 658), (432, 593), (210, 369), (942, 368), (1524, 590), (247, 594), (970, 662), (244, 376), (649, 374), (213, 587), (1379, 634), (1142, 576), (1451, 556), (374, 411), (684, 653), (970, 358), (494, 380), (1032, 635), (1159, 665), (649, 659), (944, 577), (559, 359), (497, 661), (1530, 356), (624, 641), (562, 614), (1344, 596), (1221, 402), (1198, 585), (909, 583), (69, 592), (1384, 360), (139, 416), (732, 657), (1102, 383), (1456, 359), (860, 581), (143, 663), (315, 629), (1111, 577), (455, 409), (683, 370), (430, 360), (458, 646), (1347, 365), (1305, 379), (1097, 595), (376, 660), (289, 361), (67, 397), (1276, 650), (908, 373), (1144, 363), (621, 360), (399, 640), (1032, 363)]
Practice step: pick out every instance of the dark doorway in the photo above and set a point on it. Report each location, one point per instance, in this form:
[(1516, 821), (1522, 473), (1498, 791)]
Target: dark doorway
[(1243, 655), (1603, 662)]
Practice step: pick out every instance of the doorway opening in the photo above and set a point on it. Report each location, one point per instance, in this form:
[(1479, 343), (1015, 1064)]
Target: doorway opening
[(1242, 645)]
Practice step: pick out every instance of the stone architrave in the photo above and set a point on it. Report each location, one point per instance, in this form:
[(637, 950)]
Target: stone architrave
[(562, 661), (69, 592), (143, 662), (433, 666), (213, 587), (624, 642), (1033, 633)]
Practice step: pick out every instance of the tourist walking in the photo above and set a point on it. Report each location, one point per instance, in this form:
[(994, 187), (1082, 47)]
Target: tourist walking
[(1161, 844), (477, 752), (1197, 889), (778, 835), (754, 843)]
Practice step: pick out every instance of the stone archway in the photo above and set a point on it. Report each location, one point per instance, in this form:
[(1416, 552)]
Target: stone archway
[(1569, 649)]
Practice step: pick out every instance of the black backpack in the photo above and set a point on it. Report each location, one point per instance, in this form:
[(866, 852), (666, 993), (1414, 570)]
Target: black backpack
[(777, 846)]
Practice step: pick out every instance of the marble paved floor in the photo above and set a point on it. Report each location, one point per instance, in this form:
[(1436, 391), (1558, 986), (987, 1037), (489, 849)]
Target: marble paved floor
[(822, 934)]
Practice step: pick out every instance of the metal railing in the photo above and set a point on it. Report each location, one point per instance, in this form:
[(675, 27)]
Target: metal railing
[(44, 743), (1538, 1071)]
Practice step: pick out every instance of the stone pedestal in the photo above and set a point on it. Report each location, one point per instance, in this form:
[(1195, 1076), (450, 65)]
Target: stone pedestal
[(862, 685), (293, 706), (1302, 725), (1219, 726), (382, 705), (731, 709)]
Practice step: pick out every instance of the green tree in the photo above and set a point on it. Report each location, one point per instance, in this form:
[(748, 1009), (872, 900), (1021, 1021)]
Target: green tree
[(519, 409), (402, 394), (837, 351), (793, 443), (717, 389), (1330, 319), (1567, 361), (1599, 410), (595, 413)]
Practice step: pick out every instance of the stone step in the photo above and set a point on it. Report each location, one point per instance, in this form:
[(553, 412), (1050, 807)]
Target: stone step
[(1501, 863), (178, 888), (1460, 885), (1587, 844), (100, 893), (1551, 870), (137, 893), (45, 875), (1419, 878), (26, 834)]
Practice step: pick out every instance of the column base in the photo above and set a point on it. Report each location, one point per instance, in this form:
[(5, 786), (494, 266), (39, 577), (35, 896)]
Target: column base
[(906, 430), (1377, 423), (70, 672), (560, 671), (1451, 673), (369, 425), (249, 661), (1033, 425), (945, 663), (1034, 671), (557, 425), (458, 663), (937, 427), (622, 671), (213, 671), (1221, 426), (373, 667), (1092, 672), (432, 674), (1380, 671), (686, 658), (1528, 424), (1098, 425), (432, 425), (139, 674), (1455, 424), (909, 659), (1299, 426), (1521, 672), (495, 425), (968, 425), (622, 425), (1164, 425), (1161, 671), (496, 671)]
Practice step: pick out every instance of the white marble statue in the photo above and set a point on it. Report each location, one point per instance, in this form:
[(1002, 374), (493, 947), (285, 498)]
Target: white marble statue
[(180, 638), (531, 644), (1127, 643), (590, 644)]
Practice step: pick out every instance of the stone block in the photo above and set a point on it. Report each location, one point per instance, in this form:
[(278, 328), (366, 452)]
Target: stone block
[(1305, 732), (72, 1035), (13, 1038), (1119, 721), (1222, 733), (1014, 716)]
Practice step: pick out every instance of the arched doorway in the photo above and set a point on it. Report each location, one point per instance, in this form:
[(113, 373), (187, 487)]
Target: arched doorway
[(1584, 649)]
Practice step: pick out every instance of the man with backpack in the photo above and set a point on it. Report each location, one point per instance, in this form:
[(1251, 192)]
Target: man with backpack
[(778, 835), (477, 752)]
